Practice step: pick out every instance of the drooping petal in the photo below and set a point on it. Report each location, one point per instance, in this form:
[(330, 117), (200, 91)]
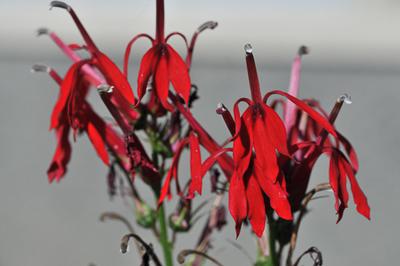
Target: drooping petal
[(359, 197), (162, 82), (98, 142), (129, 47), (62, 156), (115, 77), (334, 182), (276, 194), (255, 201), (350, 151), (67, 85), (265, 151), (195, 165), (276, 130), (306, 108), (242, 144), (146, 70), (178, 74), (237, 201)]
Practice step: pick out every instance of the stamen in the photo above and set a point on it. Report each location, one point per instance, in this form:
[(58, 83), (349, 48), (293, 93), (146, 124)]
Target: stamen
[(253, 76), (42, 31), (248, 48), (207, 25), (105, 88), (345, 98), (303, 50), (60, 4), (227, 116), (40, 68)]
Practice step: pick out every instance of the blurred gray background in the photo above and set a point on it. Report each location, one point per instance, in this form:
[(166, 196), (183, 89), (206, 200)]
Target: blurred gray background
[(355, 49)]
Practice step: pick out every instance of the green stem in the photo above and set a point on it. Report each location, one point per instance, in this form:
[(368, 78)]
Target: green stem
[(166, 245), (272, 247)]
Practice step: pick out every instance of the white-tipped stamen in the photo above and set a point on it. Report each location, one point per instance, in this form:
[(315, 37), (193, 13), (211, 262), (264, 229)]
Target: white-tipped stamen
[(207, 25), (40, 68), (248, 48), (59, 4), (220, 108), (105, 88), (42, 31), (303, 50), (345, 98)]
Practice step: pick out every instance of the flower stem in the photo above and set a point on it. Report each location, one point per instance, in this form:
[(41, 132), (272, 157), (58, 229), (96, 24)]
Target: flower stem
[(272, 247), (166, 245)]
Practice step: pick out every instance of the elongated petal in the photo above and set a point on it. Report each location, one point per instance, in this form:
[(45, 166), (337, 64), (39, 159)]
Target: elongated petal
[(98, 142), (162, 82), (255, 201), (67, 86), (242, 145), (359, 197), (237, 201), (306, 108), (195, 164), (62, 156), (115, 77), (276, 194), (129, 47), (178, 74), (334, 181), (146, 70), (351, 152), (265, 151), (276, 130)]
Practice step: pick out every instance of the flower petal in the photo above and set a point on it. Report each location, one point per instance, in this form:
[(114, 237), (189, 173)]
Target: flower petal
[(306, 108), (162, 82), (178, 74), (146, 69), (98, 143), (237, 201), (115, 77), (195, 165), (62, 156), (255, 201), (276, 130)]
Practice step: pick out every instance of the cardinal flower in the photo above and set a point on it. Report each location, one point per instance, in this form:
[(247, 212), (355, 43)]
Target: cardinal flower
[(260, 137), (101, 134), (123, 92), (162, 64), (342, 165)]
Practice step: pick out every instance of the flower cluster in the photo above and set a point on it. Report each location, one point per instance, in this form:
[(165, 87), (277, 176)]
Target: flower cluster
[(267, 160)]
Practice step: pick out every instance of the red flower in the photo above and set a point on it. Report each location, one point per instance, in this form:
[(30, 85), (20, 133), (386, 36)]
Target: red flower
[(259, 135), (114, 77), (163, 64), (84, 119)]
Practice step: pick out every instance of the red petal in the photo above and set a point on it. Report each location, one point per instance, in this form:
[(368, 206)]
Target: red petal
[(67, 85), (276, 194), (195, 165), (98, 142), (276, 130), (265, 152), (145, 71), (237, 201), (62, 156), (115, 77), (334, 182), (306, 108), (359, 197), (350, 151), (178, 74), (162, 82), (255, 200), (242, 145)]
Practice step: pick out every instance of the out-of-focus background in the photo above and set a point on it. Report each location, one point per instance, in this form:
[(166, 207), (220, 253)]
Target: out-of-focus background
[(355, 49)]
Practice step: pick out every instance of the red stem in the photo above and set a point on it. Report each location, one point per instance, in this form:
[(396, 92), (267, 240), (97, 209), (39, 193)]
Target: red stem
[(253, 78), (160, 23)]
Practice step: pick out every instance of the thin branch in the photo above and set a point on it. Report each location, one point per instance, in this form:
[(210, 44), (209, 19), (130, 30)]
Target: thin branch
[(303, 209)]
